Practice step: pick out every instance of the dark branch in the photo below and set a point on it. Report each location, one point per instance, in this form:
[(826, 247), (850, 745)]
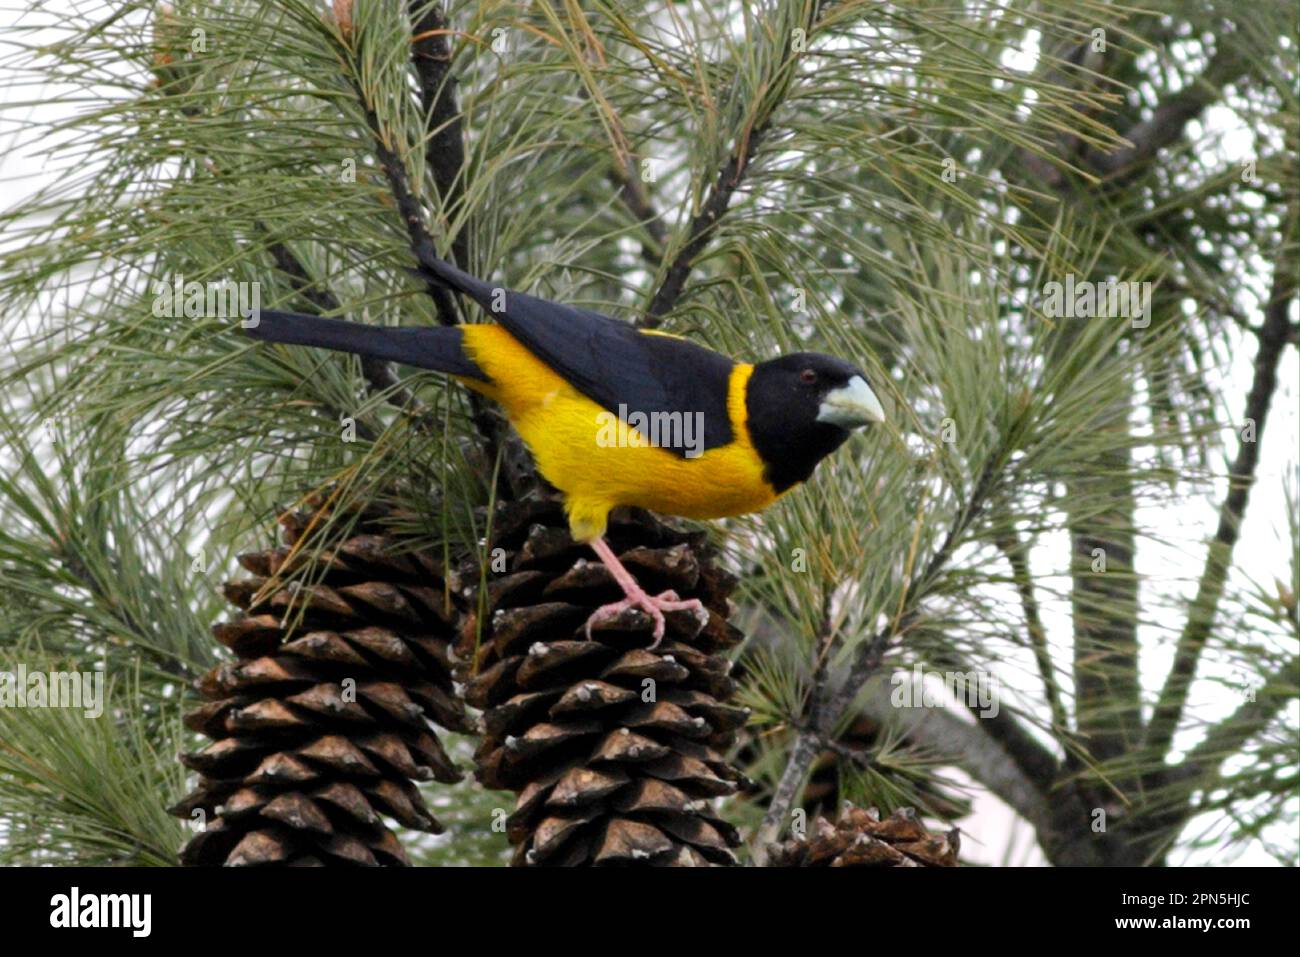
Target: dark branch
[(409, 208), (1029, 754), (444, 150), (701, 229)]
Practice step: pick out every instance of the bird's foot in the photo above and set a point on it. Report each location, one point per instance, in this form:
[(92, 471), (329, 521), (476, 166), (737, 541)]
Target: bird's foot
[(652, 605)]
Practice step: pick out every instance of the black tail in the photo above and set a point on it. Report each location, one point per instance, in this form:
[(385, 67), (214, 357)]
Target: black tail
[(437, 348)]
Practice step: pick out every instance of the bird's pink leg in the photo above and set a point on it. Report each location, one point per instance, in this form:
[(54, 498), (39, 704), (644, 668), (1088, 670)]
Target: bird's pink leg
[(637, 597)]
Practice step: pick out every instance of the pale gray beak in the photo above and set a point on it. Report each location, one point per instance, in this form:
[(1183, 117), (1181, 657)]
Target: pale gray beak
[(851, 406)]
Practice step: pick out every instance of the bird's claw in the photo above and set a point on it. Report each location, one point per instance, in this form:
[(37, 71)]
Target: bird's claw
[(652, 605)]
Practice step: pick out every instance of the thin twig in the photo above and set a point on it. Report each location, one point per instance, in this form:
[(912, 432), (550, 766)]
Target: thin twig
[(724, 186), (801, 757), (872, 652), (1016, 553)]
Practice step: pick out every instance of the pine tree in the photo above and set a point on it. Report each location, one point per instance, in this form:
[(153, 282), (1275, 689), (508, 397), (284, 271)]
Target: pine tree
[(909, 185)]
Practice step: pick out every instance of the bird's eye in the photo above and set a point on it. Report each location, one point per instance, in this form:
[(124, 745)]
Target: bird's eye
[(808, 376)]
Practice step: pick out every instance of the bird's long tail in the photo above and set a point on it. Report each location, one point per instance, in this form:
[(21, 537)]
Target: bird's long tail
[(438, 348)]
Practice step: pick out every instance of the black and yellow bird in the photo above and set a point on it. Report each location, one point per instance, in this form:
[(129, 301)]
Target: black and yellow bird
[(615, 415)]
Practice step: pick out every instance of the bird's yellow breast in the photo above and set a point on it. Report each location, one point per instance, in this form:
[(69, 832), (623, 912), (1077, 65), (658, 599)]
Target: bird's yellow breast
[(598, 461)]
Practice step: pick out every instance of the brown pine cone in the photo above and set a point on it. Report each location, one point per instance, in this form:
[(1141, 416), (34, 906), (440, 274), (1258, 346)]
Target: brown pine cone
[(320, 727), (861, 839), (615, 750)]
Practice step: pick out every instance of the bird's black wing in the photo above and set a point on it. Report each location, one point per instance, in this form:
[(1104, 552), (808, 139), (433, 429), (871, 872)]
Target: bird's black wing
[(610, 362)]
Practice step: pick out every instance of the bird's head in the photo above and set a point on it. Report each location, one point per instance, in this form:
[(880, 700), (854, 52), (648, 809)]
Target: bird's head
[(801, 407)]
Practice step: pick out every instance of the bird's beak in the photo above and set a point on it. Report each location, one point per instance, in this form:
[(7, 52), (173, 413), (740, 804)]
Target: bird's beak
[(851, 406)]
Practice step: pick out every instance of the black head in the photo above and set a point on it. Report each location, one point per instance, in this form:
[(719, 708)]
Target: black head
[(801, 408)]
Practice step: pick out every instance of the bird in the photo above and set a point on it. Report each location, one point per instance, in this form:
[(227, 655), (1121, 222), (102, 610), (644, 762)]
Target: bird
[(614, 414)]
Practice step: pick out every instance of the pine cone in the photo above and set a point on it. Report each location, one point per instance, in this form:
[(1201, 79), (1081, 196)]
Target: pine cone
[(320, 728), (861, 839), (615, 750)]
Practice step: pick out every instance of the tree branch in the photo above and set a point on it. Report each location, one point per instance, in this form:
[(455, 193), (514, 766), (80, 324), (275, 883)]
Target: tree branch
[(409, 208), (1272, 338), (808, 740), (727, 182), (445, 155), (968, 747), (1230, 735), (1146, 137), (701, 229), (1168, 120), (444, 150), (802, 754), (1017, 556), (1104, 604)]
